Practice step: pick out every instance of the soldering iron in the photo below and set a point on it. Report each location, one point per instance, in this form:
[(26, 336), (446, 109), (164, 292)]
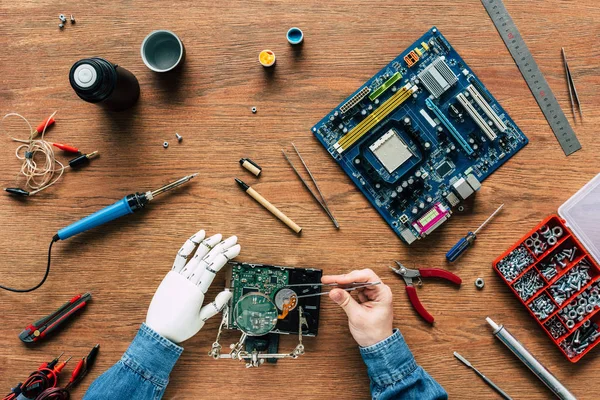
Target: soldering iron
[(127, 205)]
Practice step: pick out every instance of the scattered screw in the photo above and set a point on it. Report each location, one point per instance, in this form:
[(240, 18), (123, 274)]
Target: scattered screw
[(72, 19), (165, 144), (61, 26), (479, 283), (179, 137), (253, 109), (62, 17)]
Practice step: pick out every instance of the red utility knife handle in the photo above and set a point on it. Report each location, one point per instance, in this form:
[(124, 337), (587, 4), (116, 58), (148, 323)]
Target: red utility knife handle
[(440, 273), (416, 303)]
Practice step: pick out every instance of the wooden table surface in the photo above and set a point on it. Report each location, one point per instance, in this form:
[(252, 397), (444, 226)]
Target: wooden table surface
[(209, 103)]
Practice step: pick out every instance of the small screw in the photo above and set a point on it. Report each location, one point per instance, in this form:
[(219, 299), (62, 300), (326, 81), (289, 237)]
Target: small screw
[(61, 26), (165, 144), (479, 283), (72, 19), (253, 109), (179, 137), (62, 17)]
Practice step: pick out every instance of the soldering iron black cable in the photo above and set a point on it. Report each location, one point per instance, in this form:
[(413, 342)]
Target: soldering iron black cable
[(31, 289)]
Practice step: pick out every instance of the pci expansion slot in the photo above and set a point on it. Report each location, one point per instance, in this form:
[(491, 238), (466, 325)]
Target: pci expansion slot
[(457, 136), (487, 109)]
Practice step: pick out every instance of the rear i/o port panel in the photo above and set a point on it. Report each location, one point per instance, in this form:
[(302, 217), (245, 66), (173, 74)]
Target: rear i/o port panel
[(420, 136)]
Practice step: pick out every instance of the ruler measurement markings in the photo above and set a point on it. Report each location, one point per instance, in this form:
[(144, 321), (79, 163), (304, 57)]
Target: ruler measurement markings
[(533, 76)]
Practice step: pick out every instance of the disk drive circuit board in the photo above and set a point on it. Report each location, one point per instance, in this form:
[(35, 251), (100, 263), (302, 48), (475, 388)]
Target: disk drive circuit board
[(420, 136), (274, 282)]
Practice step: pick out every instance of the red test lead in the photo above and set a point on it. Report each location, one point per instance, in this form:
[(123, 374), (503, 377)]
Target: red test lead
[(66, 147), (46, 123)]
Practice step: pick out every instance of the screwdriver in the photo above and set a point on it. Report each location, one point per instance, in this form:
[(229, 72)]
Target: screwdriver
[(127, 205), (482, 376), (463, 244)]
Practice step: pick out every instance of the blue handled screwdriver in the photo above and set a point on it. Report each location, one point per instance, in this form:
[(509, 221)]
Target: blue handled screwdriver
[(127, 205), (463, 244)]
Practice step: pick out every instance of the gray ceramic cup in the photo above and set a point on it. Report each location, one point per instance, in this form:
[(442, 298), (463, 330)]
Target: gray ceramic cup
[(162, 51)]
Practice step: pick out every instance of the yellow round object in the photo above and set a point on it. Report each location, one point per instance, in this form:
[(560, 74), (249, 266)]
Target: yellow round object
[(266, 58)]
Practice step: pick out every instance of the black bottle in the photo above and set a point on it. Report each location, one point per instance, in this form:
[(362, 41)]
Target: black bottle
[(96, 80)]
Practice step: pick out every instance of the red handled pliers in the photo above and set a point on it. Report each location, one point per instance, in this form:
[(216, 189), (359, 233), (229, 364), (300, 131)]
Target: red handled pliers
[(409, 274)]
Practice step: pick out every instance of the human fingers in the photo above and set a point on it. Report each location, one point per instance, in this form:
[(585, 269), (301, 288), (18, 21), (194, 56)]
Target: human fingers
[(187, 249), (220, 260), (345, 300), (380, 292), (363, 275), (203, 248)]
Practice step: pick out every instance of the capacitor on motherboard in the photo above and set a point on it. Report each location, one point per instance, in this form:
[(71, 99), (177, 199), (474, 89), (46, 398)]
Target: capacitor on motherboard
[(411, 181), (406, 122)]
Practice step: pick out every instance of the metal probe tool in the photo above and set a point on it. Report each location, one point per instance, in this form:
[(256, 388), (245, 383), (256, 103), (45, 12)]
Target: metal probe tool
[(463, 244), (127, 205), (482, 376), (530, 361)]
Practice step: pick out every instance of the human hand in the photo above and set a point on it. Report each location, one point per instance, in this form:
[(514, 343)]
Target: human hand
[(176, 310), (371, 318)]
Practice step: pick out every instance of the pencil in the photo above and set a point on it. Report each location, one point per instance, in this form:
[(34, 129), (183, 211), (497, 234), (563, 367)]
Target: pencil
[(266, 204)]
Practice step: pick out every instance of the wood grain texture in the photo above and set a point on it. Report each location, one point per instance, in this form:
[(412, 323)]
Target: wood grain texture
[(209, 103)]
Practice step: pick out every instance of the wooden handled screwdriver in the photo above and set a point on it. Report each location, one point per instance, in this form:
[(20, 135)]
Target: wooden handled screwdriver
[(266, 204)]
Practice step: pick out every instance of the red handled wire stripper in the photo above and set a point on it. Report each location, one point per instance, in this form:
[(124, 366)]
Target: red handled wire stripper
[(409, 274), (48, 324)]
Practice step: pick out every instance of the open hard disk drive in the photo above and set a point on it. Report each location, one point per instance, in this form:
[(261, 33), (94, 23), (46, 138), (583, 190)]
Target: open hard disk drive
[(268, 301)]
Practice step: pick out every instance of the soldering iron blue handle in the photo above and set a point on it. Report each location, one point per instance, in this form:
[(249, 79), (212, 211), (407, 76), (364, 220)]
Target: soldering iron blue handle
[(457, 250), (114, 211)]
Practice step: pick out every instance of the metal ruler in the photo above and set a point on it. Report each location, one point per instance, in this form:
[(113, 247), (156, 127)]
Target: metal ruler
[(533, 76)]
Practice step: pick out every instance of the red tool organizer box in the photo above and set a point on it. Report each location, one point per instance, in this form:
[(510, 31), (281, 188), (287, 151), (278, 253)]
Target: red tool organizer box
[(558, 279)]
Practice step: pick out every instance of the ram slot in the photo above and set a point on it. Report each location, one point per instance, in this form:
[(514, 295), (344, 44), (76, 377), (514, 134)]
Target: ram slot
[(374, 118), (476, 117), (438, 113), (487, 109)]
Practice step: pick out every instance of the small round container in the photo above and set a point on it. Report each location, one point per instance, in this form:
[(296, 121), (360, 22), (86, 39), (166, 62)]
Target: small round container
[(98, 81), (266, 58), (162, 51), (295, 36)]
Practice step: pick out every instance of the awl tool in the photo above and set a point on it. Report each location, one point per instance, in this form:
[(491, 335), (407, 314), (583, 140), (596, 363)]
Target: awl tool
[(463, 244), (482, 376), (44, 326)]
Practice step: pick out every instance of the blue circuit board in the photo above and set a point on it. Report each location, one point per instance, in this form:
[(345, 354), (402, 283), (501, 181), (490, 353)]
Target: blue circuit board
[(419, 137)]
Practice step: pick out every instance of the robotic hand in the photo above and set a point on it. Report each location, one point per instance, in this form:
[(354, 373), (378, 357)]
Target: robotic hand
[(176, 310)]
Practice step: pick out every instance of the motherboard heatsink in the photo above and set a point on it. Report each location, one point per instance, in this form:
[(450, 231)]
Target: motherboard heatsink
[(420, 136)]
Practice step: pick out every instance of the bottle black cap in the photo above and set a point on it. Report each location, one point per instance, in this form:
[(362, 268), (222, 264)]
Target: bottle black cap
[(93, 79)]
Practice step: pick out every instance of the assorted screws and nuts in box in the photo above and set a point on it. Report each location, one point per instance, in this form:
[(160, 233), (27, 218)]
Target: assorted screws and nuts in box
[(558, 281)]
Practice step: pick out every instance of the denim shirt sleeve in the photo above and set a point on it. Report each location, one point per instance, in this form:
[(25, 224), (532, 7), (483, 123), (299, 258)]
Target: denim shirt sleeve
[(143, 371), (394, 373)]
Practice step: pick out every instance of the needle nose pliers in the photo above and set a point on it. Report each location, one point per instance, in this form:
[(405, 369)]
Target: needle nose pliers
[(409, 274)]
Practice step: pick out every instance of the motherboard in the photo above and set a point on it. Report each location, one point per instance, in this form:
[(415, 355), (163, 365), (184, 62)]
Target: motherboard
[(420, 136)]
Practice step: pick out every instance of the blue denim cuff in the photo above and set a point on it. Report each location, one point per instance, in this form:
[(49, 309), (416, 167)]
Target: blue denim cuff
[(389, 361), (152, 356)]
